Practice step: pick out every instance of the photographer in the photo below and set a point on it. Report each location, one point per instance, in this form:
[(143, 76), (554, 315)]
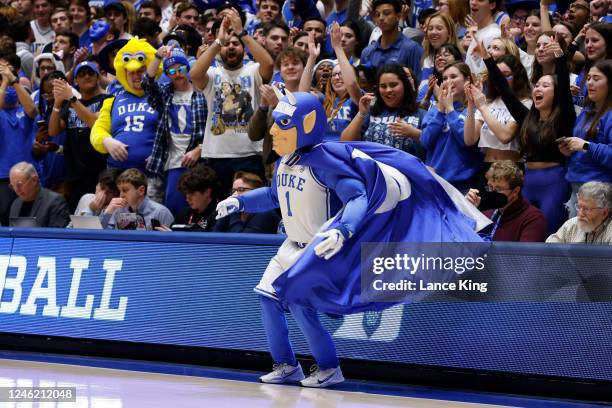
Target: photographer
[(514, 218)]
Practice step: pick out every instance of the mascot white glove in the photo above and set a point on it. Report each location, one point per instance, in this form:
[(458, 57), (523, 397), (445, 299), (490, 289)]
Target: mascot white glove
[(228, 206), (332, 243)]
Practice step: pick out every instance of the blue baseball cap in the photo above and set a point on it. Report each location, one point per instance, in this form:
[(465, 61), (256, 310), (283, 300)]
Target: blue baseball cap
[(178, 57), (86, 64), (116, 4)]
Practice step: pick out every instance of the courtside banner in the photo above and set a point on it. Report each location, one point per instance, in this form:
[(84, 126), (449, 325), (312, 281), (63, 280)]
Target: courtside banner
[(190, 289)]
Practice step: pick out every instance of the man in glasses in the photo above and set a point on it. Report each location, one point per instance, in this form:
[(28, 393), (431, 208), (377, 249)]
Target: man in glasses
[(181, 125), (517, 220), (76, 117), (258, 223), (48, 207), (592, 224)]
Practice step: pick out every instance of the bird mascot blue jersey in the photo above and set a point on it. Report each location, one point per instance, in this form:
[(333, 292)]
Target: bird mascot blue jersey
[(334, 196)]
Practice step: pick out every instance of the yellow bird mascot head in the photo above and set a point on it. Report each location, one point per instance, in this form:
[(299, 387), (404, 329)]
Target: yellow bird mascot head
[(131, 61)]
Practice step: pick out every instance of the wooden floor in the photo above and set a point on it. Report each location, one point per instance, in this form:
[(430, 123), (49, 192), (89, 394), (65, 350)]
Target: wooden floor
[(109, 388), (114, 388)]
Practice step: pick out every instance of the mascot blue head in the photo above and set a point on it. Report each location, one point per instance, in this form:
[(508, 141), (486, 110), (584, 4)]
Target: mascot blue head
[(299, 121)]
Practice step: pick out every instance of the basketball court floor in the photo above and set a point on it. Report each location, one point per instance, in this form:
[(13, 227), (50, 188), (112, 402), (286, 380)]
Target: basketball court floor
[(110, 383)]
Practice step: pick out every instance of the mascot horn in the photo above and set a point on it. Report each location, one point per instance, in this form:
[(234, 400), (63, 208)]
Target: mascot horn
[(302, 111)]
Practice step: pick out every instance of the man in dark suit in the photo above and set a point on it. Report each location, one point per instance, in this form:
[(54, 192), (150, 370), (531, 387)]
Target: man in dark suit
[(49, 208)]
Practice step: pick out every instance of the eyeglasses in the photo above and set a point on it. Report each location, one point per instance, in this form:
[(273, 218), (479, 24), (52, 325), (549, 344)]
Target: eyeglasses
[(86, 72), (586, 209), (443, 54), (337, 74), (241, 190), (19, 185), (490, 189), (173, 71)]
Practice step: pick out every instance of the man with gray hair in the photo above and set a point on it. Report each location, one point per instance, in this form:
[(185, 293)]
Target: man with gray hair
[(592, 225), (49, 208)]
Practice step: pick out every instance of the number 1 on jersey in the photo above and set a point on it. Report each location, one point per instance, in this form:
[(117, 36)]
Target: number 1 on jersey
[(288, 204)]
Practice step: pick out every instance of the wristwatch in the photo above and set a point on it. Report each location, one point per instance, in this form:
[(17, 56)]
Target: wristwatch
[(242, 34), (585, 146), (73, 99)]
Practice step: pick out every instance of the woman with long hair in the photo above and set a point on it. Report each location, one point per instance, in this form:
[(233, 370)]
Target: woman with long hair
[(503, 46), (598, 46), (443, 131), (458, 11), (550, 117), (351, 43), (533, 28), (590, 148), (527, 43), (390, 115), (544, 62), (342, 92), (439, 30), (444, 56), (489, 122)]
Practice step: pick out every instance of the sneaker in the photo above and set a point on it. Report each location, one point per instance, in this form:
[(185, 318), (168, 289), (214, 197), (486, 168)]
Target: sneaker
[(323, 378), (283, 373)]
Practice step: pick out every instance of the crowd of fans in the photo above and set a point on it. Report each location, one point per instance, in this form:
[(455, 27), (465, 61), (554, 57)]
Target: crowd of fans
[(510, 103)]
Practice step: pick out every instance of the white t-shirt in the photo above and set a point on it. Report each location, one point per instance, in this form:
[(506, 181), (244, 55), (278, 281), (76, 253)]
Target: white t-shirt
[(486, 35), (83, 205), (165, 17), (499, 111), (181, 128), (41, 38), (527, 61), (232, 98)]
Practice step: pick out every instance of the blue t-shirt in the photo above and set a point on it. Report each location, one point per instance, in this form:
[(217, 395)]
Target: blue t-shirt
[(15, 139), (134, 123), (596, 163), (341, 119), (85, 40), (447, 152), (53, 164), (277, 79), (375, 129), (402, 51)]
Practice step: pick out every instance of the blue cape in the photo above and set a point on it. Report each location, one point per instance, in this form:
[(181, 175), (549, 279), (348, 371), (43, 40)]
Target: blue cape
[(428, 215)]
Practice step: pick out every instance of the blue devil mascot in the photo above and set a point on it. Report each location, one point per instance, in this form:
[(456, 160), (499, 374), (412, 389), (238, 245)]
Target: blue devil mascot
[(334, 196)]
